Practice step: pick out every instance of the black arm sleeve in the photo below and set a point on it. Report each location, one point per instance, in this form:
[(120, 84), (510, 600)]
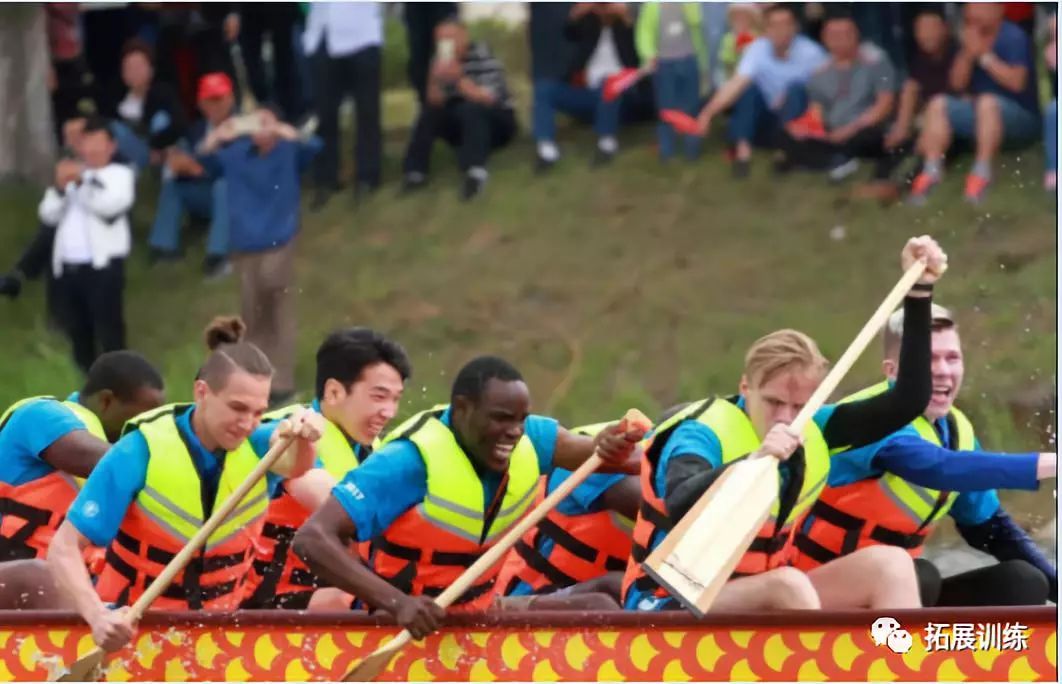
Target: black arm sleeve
[(687, 478), (864, 422)]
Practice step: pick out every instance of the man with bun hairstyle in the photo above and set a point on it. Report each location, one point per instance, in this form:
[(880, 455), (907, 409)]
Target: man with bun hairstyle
[(157, 486), (688, 452), (360, 378)]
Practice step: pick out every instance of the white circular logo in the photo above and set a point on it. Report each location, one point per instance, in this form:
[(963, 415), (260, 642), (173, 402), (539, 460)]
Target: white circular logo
[(91, 509)]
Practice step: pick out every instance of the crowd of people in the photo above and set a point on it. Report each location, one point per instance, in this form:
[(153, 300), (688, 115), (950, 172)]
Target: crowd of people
[(354, 514), (156, 91)]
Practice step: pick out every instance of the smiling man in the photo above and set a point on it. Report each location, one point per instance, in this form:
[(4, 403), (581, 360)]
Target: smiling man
[(443, 489), (360, 378), (894, 492)]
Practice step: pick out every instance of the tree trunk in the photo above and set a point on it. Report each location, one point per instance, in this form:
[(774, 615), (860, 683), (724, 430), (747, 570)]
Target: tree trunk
[(27, 145)]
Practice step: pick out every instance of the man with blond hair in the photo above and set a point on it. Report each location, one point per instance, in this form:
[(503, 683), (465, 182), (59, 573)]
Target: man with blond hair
[(895, 491), (689, 451)]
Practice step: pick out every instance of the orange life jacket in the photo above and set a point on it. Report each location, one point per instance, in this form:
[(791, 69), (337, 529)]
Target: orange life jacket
[(880, 510), (279, 578), (773, 545), (582, 547), (168, 512), (31, 512), (431, 544)]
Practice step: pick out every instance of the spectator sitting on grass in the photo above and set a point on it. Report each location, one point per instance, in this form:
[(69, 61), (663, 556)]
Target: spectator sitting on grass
[(995, 65), (671, 43), (262, 178), (603, 38), (147, 114), (186, 185), (768, 89), (468, 104), (928, 75), (854, 94)]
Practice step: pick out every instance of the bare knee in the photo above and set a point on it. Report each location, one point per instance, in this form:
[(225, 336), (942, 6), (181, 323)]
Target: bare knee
[(790, 588), (937, 108), (987, 105), (889, 567)]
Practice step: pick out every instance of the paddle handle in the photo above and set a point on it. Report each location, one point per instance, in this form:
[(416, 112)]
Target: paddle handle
[(162, 582), (855, 349)]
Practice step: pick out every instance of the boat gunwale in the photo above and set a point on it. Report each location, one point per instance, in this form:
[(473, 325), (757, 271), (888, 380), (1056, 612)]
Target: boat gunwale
[(1028, 615)]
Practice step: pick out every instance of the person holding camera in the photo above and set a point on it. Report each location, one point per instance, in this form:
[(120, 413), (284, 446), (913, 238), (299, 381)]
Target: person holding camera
[(468, 104)]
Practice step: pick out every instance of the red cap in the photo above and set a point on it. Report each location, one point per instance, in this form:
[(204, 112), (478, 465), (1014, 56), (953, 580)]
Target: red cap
[(216, 84)]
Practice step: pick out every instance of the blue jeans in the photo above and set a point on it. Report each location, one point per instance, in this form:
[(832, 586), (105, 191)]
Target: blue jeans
[(1019, 124), (201, 198), (585, 104), (1051, 136), (678, 86), (131, 146), (752, 121)]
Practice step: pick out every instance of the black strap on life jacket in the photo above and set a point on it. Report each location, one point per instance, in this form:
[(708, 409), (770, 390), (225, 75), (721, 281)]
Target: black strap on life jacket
[(853, 528), (16, 546), (403, 579), (271, 571), (191, 589)]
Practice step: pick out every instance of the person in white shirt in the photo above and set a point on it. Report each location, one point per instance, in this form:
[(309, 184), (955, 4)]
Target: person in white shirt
[(343, 42), (89, 203)]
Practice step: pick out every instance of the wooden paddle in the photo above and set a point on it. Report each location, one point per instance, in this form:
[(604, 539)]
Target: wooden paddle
[(87, 667), (699, 554), (368, 669)]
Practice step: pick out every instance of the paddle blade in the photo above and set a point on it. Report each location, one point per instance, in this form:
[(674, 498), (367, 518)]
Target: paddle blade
[(681, 121), (87, 668), (370, 668), (619, 82), (700, 553)]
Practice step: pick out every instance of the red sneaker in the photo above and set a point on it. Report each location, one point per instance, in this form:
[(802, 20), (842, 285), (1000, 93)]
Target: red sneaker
[(920, 188), (975, 188)]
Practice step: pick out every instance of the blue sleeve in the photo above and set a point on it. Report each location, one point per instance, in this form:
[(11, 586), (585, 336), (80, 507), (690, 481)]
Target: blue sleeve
[(101, 505), (1000, 536), (260, 443), (389, 483), (584, 498), (853, 465), (823, 415), (542, 432), (307, 150), (690, 438), (974, 508), (922, 463), (1013, 48), (37, 425), (211, 163)]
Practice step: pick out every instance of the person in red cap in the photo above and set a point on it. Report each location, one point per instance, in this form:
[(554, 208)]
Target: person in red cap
[(188, 187)]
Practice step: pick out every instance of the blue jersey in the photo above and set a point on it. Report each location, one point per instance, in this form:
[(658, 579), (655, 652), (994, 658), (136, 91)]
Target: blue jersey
[(29, 431)]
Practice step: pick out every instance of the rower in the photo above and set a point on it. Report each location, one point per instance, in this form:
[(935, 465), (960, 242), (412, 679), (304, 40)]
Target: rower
[(443, 488), (582, 545), (360, 378), (688, 452), (46, 443), (173, 466), (896, 491)]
